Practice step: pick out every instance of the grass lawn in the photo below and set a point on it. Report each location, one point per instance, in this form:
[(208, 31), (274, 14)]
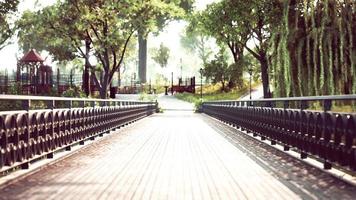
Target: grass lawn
[(211, 93), (192, 98)]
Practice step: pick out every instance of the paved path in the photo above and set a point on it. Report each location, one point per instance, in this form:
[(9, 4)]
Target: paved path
[(256, 93), (170, 103), (178, 155), (166, 102)]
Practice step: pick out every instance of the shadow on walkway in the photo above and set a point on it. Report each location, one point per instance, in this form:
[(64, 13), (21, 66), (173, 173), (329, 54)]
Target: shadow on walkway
[(306, 181)]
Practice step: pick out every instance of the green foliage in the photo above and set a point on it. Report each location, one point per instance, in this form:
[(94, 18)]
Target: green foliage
[(7, 9), (313, 41), (223, 22), (147, 97), (217, 69), (211, 93), (220, 21), (195, 40), (248, 63), (14, 89), (312, 49), (74, 92), (6, 105), (161, 55), (233, 23), (38, 30), (181, 9), (160, 79), (102, 28)]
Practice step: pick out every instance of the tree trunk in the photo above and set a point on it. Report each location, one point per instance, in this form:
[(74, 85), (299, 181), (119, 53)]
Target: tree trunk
[(142, 56), (103, 92), (86, 79), (292, 43), (264, 75), (105, 85)]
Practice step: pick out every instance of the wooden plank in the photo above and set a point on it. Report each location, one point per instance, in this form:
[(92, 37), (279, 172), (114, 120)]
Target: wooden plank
[(159, 158)]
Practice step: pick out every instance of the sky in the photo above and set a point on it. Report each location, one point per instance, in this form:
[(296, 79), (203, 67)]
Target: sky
[(170, 37), (9, 53), (179, 57)]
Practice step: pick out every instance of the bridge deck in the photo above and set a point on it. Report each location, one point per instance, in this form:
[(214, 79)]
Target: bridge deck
[(178, 155)]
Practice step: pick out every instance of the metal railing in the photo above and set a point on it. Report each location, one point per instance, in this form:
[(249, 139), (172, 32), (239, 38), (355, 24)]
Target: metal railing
[(30, 133), (324, 134)]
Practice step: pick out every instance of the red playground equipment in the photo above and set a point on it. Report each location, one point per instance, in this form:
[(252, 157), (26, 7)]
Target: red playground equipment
[(187, 86)]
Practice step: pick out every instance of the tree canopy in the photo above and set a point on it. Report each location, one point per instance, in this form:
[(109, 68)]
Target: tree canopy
[(196, 41), (7, 8), (100, 28), (218, 69), (220, 22), (313, 48), (161, 55), (303, 47)]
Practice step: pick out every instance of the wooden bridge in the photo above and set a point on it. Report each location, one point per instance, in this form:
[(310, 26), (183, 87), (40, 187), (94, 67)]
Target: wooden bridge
[(177, 154)]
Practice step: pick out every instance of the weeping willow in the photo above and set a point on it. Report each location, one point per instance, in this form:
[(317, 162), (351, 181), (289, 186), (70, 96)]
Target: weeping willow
[(313, 48)]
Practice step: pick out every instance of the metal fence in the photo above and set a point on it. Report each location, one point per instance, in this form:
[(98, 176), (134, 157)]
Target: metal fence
[(28, 134), (326, 135)]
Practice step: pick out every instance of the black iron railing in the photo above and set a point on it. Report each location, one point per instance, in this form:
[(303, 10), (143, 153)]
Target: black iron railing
[(297, 123), (30, 133)]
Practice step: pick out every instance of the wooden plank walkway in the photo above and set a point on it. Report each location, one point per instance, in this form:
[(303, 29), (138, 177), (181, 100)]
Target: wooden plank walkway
[(177, 155)]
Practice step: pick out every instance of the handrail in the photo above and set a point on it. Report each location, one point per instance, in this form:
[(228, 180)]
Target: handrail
[(47, 98), (31, 132), (309, 98), (328, 136)]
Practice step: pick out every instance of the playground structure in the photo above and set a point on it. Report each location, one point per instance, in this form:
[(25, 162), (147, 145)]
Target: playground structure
[(188, 85), (33, 77)]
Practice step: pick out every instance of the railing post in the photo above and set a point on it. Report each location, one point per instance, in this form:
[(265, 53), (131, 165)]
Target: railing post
[(82, 104), (285, 105), (70, 105), (303, 105), (327, 104), (51, 105), (156, 106), (26, 104)]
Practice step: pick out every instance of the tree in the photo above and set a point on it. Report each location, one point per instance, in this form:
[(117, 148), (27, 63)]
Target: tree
[(236, 22), (313, 48), (160, 21), (7, 8), (218, 69), (259, 17), (198, 43), (103, 28), (36, 30), (56, 29), (161, 55), (219, 21)]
